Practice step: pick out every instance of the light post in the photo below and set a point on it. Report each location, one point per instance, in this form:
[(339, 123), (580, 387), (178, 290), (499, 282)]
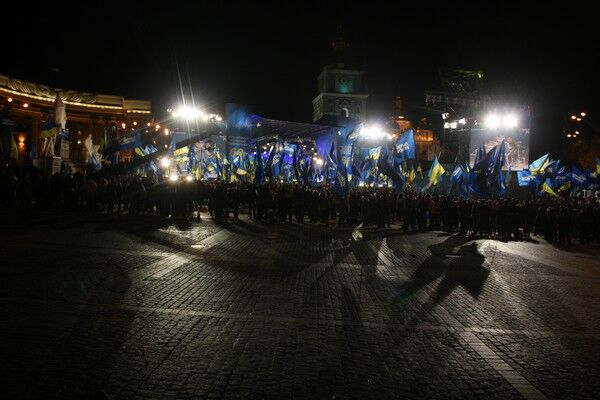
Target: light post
[(583, 117)]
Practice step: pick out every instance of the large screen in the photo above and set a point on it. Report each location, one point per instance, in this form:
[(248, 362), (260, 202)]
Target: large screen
[(517, 145)]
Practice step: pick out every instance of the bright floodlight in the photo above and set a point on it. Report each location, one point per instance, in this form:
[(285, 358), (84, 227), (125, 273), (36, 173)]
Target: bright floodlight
[(189, 178), (453, 125), (583, 114), (446, 125), (573, 116), (187, 113), (372, 132), (318, 161), (174, 177), (462, 121), (164, 162), (492, 121), (510, 121)]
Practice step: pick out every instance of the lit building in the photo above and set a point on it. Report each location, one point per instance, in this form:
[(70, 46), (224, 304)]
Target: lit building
[(105, 117)]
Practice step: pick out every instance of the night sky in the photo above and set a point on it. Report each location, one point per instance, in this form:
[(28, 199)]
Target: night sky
[(269, 56)]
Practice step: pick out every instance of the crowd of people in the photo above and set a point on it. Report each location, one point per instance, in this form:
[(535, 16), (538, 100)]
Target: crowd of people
[(557, 219)]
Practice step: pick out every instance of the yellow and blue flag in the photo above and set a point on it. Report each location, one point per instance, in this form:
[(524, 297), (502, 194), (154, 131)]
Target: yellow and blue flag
[(547, 187), (412, 175), (538, 166), (49, 130), (435, 172), (524, 177), (183, 151), (375, 152)]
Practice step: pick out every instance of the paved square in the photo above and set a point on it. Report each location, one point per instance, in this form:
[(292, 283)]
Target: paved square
[(124, 308)]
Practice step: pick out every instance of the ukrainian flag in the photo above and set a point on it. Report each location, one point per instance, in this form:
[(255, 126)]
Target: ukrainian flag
[(547, 187), (436, 172), (49, 130), (412, 175), (375, 153), (240, 171), (538, 166), (597, 166), (182, 151), (565, 186)]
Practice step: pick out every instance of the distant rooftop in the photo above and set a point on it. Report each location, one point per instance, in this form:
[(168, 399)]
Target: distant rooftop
[(44, 93)]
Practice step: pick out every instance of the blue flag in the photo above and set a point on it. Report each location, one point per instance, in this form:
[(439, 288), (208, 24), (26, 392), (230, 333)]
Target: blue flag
[(577, 177), (524, 177), (457, 174), (405, 146)]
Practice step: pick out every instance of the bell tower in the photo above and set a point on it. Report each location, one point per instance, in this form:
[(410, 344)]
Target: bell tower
[(341, 88)]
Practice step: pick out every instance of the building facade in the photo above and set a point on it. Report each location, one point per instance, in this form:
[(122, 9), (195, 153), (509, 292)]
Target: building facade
[(342, 90), (341, 93), (30, 105)]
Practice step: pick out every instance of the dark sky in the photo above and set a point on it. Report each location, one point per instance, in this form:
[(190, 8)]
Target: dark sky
[(269, 55)]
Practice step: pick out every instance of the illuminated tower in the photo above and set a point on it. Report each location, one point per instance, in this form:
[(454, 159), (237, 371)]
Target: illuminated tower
[(341, 89)]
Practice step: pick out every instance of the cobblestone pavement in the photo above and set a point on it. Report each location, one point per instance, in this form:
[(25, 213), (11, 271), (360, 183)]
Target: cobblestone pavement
[(127, 308)]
